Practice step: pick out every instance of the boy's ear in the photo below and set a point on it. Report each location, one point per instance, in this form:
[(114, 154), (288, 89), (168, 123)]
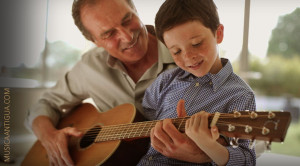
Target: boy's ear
[(220, 33)]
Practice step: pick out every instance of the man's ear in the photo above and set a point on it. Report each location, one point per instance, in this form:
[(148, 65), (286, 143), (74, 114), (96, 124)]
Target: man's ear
[(220, 33)]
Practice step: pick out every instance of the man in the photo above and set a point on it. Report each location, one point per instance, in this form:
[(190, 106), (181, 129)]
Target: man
[(126, 62)]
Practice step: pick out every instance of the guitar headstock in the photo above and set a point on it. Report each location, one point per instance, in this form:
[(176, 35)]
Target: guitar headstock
[(267, 126)]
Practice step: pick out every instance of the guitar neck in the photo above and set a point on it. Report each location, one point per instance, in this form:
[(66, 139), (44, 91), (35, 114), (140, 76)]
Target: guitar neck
[(268, 126), (134, 130)]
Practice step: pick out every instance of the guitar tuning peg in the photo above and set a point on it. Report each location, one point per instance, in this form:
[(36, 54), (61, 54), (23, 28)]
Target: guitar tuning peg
[(231, 127), (234, 142), (248, 129), (265, 131), (236, 114), (271, 115), (252, 144), (253, 115), (268, 145)]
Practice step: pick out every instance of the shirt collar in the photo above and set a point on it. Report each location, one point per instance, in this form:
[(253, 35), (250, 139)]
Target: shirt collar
[(215, 79), (164, 56), (115, 63)]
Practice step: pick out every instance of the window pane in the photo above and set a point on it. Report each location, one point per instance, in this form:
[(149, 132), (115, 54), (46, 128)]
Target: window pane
[(275, 24)]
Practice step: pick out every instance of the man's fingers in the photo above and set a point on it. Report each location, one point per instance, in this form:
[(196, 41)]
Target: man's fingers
[(156, 143), (181, 112), (57, 146), (54, 156), (51, 157), (173, 132), (64, 153), (72, 131), (51, 152), (160, 133)]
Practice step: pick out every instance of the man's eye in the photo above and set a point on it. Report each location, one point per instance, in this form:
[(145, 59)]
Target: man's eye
[(127, 19), (107, 35), (177, 52), (197, 44), (126, 22)]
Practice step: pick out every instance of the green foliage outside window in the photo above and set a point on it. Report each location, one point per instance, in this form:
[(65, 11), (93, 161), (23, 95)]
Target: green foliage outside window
[(286, 36), (279, 76)]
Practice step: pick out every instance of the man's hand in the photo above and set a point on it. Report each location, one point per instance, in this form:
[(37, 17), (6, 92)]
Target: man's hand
[(55, 141), (167, 140)]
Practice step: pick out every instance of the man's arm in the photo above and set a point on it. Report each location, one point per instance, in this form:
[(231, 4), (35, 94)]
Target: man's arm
[(54, 141), (167, 140)]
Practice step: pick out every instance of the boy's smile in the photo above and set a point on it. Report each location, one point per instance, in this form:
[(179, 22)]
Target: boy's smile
[(194, 47)]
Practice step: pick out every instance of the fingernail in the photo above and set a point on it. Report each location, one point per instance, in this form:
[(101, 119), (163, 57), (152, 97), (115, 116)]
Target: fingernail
[(214, 128)]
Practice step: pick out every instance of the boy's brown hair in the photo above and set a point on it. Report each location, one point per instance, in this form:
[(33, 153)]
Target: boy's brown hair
[(176, 12)]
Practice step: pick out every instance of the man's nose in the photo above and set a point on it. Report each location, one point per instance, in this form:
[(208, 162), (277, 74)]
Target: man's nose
[(125, 35)]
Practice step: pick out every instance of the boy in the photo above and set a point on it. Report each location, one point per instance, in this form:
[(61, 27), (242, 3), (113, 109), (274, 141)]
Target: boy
[(191, 31)]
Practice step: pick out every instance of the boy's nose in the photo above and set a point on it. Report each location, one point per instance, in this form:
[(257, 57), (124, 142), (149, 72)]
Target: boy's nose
[(189, 55)]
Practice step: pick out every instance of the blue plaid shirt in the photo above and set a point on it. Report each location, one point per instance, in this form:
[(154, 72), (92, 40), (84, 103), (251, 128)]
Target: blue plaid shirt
[(222, 92)]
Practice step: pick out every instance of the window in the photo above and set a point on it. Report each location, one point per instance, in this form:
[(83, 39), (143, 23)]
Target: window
[(40, 35)]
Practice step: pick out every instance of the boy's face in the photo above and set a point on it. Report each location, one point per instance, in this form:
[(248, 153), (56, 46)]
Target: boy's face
[(194, 47)]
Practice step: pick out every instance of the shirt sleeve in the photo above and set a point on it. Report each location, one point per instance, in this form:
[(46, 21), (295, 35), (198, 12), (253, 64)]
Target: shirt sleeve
[(59, 100), (152, 98)]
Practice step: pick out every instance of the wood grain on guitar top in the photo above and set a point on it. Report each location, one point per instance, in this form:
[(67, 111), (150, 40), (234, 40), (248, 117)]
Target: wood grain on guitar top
[(85, 117)]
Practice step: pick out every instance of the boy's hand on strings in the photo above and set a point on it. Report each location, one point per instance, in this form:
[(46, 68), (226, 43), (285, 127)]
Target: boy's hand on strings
[(166, 139), (197, 129)]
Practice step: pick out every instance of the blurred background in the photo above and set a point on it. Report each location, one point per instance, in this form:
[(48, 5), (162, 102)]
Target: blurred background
[(39, 43)]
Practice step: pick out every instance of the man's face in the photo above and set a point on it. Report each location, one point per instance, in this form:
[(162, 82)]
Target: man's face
[(115, 26)]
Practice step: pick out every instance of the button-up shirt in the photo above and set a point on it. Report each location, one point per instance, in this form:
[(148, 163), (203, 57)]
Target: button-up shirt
[(101, 77), (222, 92)]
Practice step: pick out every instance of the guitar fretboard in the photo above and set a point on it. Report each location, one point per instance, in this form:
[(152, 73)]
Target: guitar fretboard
[(269, 126), (134, 130)]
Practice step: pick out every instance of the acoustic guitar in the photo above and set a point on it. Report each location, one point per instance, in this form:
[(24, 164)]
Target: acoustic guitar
[(116, 137)]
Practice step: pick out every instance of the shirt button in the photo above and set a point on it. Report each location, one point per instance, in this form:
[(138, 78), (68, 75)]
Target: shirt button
[(197, 84), (150, 158)]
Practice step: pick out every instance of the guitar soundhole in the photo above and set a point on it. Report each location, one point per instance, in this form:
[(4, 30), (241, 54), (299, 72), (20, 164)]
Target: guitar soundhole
[(89, 137)]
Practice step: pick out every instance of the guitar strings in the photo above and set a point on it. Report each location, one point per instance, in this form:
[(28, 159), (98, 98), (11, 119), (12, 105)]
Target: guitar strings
[(223, 115), (115, 132), (117, 128)]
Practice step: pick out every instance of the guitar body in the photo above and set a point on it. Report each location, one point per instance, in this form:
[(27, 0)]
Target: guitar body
[(103, 153)]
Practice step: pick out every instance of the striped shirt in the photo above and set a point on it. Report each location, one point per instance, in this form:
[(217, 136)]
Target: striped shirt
[(222, 92)]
